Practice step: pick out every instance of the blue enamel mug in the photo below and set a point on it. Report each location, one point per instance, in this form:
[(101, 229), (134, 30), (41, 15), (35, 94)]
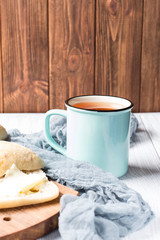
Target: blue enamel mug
[(98, 133)]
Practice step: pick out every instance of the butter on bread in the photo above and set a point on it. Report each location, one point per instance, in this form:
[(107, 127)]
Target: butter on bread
[(3, 133), (19, 189), (22, 157)]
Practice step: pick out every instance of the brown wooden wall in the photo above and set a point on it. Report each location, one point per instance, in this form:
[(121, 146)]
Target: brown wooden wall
[(54, 49)]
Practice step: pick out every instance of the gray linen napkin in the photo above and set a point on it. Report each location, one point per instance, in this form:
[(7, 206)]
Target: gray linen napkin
[(106, 207)]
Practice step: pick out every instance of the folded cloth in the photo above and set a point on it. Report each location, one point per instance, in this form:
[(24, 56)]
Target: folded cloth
[(105, 208)]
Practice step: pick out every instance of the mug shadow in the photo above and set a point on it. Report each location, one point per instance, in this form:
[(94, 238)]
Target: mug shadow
[(140, 172), (142, 135)]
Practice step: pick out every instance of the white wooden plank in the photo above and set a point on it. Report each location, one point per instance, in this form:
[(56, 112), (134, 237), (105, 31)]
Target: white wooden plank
[(25, 123), (152, 125), (143, 176), (144, 164)]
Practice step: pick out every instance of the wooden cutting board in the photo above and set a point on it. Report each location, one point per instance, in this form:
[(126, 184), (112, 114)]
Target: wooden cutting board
[(31, 222)]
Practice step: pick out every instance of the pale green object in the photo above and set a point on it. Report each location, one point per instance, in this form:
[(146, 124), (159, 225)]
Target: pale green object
[(98, 137)]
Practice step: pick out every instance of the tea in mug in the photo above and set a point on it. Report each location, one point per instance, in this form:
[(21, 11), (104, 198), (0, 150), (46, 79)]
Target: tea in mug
[(98, 106)]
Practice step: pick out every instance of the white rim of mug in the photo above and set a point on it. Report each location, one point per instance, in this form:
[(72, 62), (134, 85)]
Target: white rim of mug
[(93, 110)]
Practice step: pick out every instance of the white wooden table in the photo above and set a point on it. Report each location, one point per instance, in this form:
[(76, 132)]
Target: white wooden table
[(144, 164)]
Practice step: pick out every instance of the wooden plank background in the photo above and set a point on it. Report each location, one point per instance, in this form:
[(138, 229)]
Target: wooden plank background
[(71, 49), (1, 96), (54, 49), (150, 78), (24, 37), (118, 36)]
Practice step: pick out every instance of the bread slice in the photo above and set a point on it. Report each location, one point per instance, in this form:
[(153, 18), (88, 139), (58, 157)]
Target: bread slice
[(47, 192), (19, 189), (22, 157), (3, 133)]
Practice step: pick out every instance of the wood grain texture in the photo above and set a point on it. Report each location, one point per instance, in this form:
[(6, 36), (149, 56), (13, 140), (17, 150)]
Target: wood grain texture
[(151, 122), (31, 222), (150, 76), (32, 122), (143, 173), (71, 49), (25, 55), (1, 92), (118, 48)]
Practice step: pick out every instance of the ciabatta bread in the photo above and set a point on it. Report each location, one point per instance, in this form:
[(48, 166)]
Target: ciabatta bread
[(3, 133), (22, 157)]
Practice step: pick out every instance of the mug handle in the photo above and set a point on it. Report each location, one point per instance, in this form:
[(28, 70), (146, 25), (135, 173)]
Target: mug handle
[(47, 133)]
